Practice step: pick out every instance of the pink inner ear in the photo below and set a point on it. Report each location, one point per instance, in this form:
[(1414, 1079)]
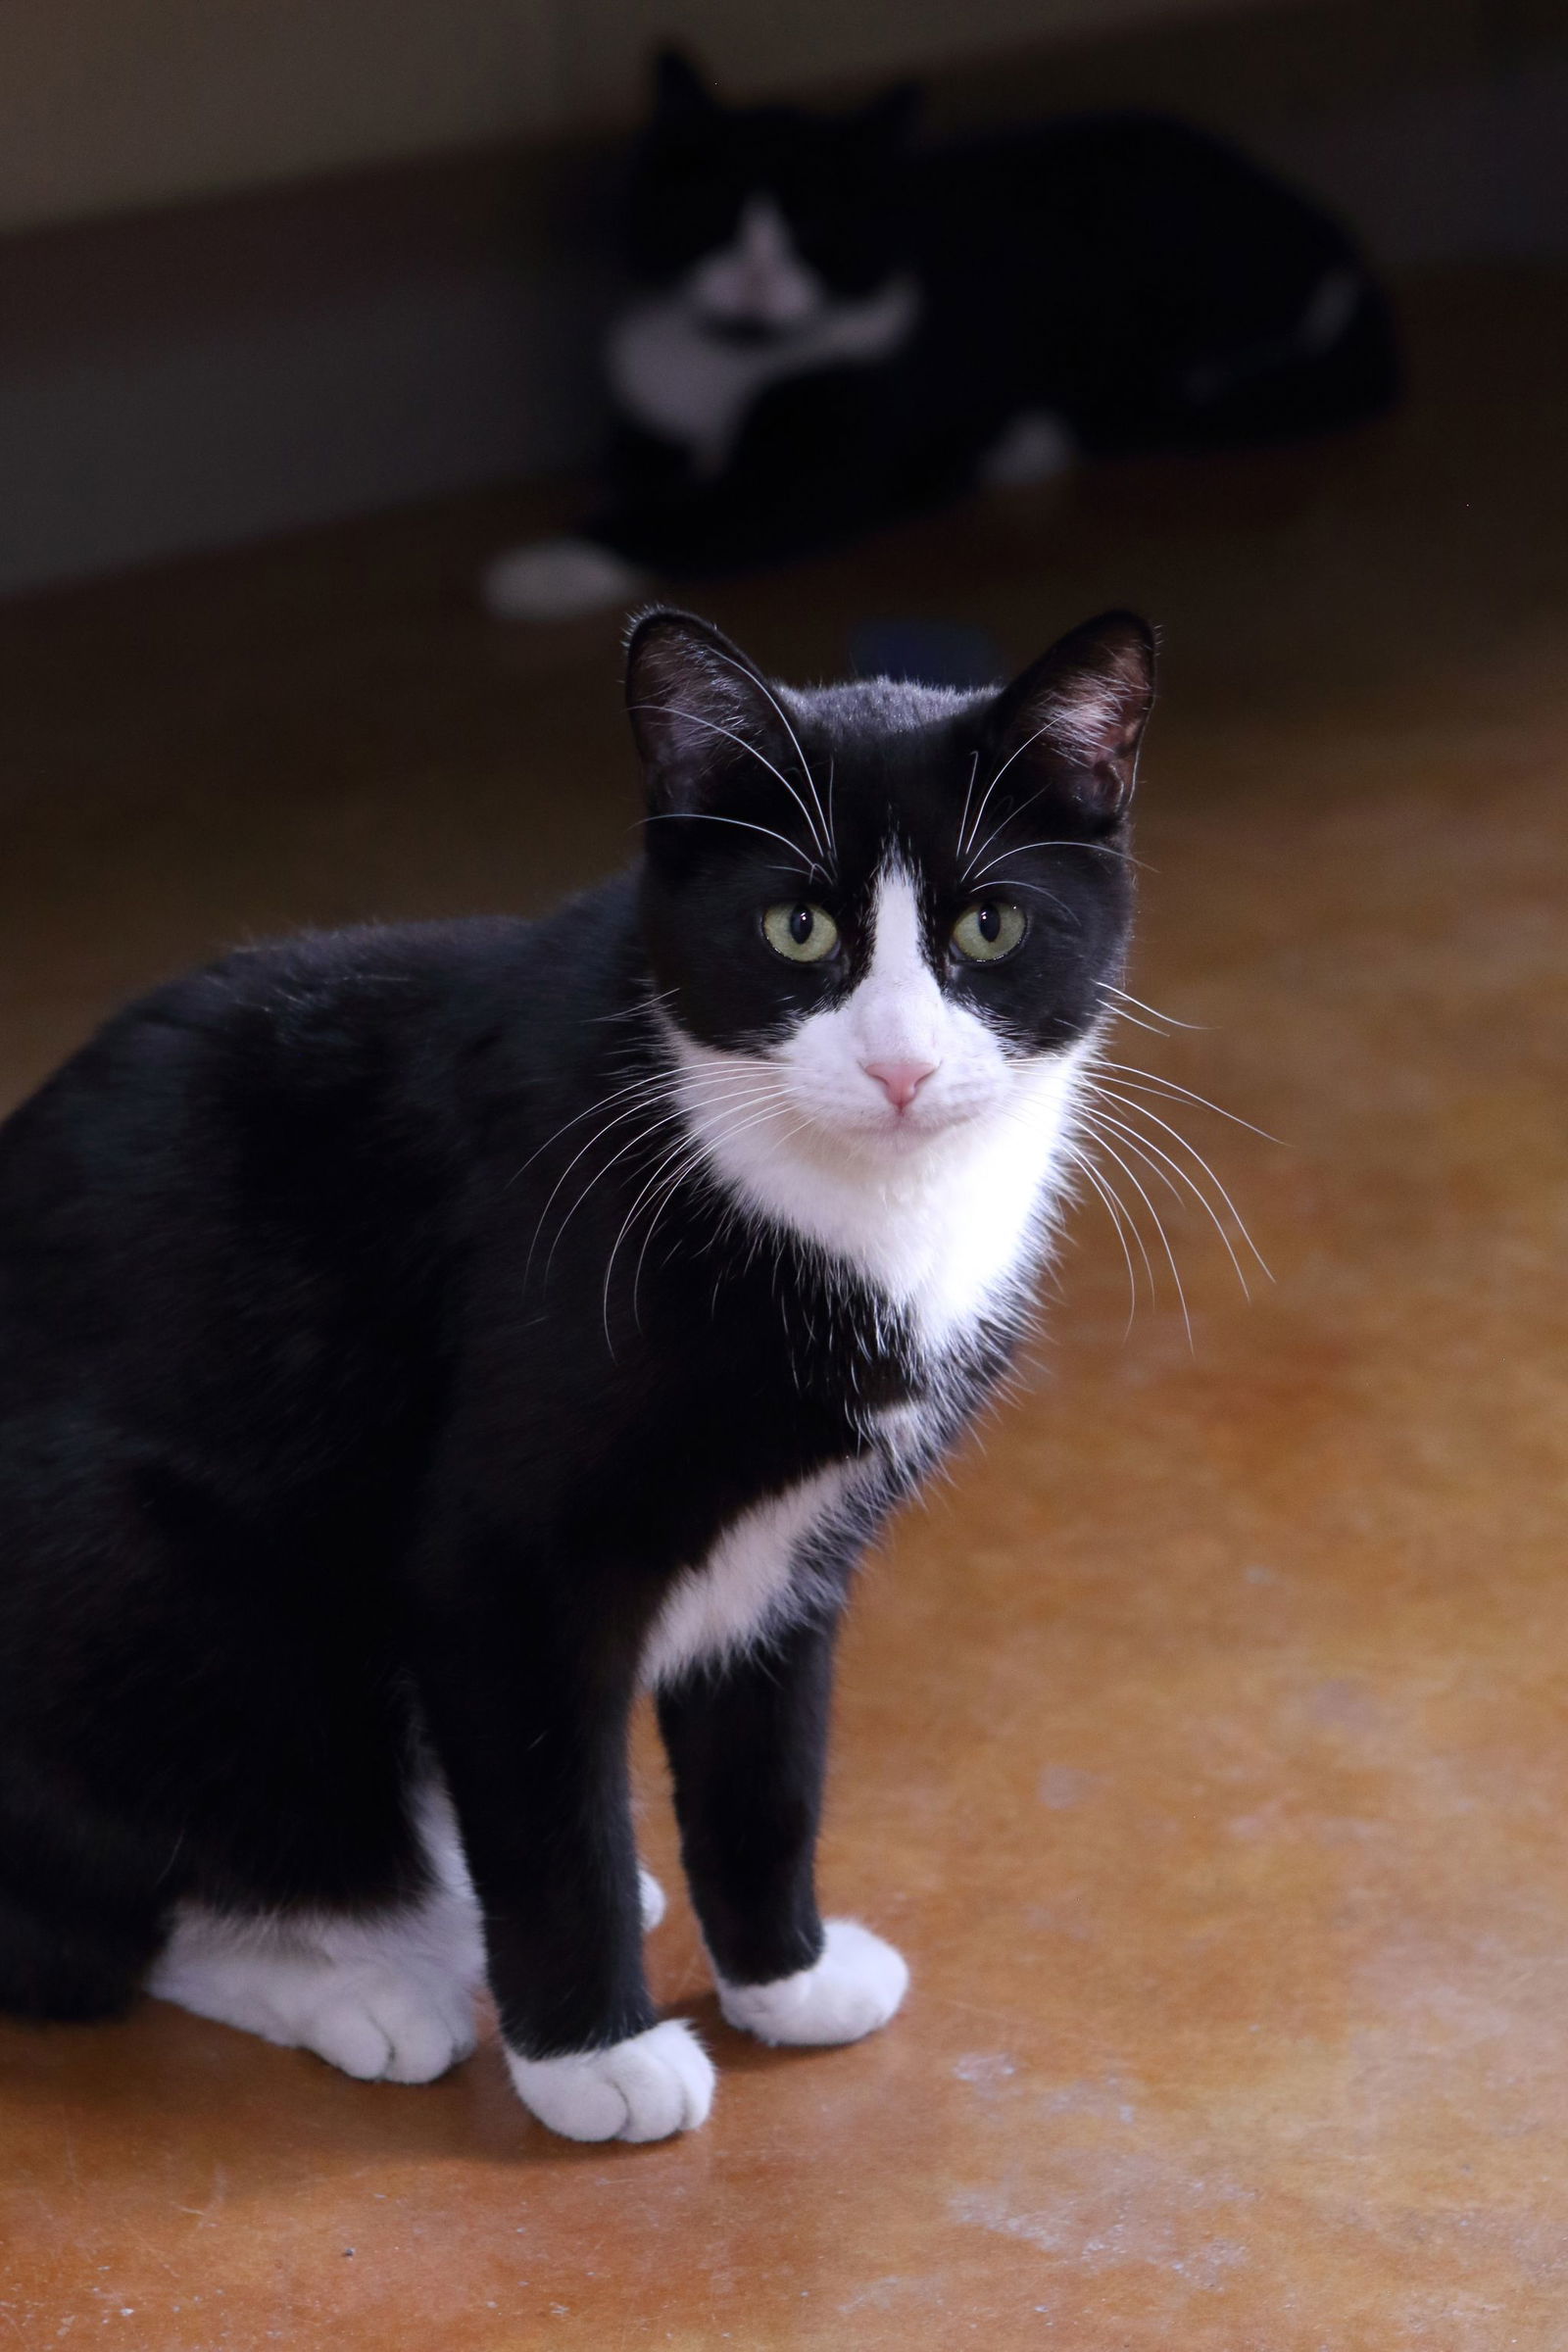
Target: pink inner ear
[(1089, 720)]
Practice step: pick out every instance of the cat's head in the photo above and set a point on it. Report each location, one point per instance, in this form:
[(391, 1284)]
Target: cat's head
[(881, 917), (762, 217)]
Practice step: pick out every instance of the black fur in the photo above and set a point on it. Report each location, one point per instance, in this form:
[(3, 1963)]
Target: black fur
[(338, 1437)]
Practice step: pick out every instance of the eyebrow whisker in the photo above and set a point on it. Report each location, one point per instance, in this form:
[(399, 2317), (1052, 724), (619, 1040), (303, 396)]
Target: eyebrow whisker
[(1104, 849), (694, 718), (827, 846), (707, 816), (975, 769), (1000, 772)]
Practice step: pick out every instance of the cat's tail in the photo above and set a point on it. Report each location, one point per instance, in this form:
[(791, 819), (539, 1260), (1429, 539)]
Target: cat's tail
[(559, 579)]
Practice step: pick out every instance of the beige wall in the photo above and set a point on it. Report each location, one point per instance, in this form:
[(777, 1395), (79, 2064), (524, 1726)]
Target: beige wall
[(111, 104), (108, 104)]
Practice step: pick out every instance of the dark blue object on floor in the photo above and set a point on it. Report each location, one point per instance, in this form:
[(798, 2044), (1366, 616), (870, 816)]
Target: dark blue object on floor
[(930, 653)]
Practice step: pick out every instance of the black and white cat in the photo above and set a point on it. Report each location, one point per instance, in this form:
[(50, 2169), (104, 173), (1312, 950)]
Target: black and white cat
[(414, 1341), (834, 325)]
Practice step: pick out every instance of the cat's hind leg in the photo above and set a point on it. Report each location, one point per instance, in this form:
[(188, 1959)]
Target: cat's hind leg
[(386, 1995), (72, 1963), (82, 1910), (371, 1996)]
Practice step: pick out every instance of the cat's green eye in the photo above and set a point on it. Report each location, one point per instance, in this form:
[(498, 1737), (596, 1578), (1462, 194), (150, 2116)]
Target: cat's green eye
[(800, 931), (989, 930)]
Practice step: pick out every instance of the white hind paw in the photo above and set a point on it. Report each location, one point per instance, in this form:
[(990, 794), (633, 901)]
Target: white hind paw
[(385, 2027), (383, 2019), (855, 1988), (557, 579), (645, 2087)]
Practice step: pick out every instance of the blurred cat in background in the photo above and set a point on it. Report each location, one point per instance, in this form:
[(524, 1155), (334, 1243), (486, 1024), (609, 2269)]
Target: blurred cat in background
[(834, 325)]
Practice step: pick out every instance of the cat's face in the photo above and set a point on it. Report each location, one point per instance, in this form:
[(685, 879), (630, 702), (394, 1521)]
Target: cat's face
[(881, 917), (765, 215)]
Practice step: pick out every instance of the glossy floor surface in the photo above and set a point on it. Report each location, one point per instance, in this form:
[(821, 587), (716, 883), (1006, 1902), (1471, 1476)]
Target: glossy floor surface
[(1202, 1742)]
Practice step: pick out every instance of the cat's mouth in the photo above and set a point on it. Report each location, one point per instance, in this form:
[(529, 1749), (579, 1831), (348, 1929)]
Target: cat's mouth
[(889, 1131)]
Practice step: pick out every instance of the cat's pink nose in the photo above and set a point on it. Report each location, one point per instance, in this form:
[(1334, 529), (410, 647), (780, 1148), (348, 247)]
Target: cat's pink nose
[(900, 1080)]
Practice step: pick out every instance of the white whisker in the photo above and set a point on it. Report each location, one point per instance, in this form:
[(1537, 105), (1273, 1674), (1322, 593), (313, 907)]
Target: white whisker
[(644, 1135), (1022, 850), (1015, 882), (1116, 1213), (646, 1003), (975, 769), (650, 1092), (773, 1098), (1159, 1228), (694, 718), (705, 817), (1011, 817), (825, 846), (1192, 1151), (679, 1151), (689, 1166), (1160, 1162), (636, 1086), (1168, 1017), (1150, 1079), (996, 778), (1119, 1012)]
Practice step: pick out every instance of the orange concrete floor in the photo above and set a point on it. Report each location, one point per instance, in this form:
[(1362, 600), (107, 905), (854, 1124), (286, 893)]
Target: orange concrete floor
[(1203, 1741)]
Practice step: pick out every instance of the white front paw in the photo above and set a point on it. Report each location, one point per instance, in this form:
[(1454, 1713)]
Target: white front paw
[(855, 1988), (557, 579), (643, 2089)]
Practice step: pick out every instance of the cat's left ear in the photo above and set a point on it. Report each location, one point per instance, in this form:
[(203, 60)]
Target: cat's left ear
[(700, 709), (679, 93), (1079, 714)]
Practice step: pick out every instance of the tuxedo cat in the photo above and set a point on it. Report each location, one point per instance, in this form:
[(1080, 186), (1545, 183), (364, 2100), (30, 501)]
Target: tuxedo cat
[(416, 1341), (834, 327)]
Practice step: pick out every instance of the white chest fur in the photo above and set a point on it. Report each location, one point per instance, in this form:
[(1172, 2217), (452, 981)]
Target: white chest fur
[(946, 1216), (947, 1239), (757, 1575), (675, 377)]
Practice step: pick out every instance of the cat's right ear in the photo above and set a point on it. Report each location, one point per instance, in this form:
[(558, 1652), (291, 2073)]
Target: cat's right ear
[(678, 91), (698, 708), (1075, 720)]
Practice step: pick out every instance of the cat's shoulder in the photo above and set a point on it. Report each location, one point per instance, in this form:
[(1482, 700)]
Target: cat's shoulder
[(335, 985), (417, 1010)]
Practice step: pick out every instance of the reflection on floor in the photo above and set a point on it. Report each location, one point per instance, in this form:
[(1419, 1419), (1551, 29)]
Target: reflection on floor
[(1204, 1742)]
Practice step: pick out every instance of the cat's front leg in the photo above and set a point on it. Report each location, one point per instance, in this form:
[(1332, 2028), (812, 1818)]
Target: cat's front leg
[(529, 1720), (747, 1740)]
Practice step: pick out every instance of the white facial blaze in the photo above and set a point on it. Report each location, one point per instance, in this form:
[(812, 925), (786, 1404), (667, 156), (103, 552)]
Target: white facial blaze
[(758, 279), (944, 1205), (899, 1013)]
